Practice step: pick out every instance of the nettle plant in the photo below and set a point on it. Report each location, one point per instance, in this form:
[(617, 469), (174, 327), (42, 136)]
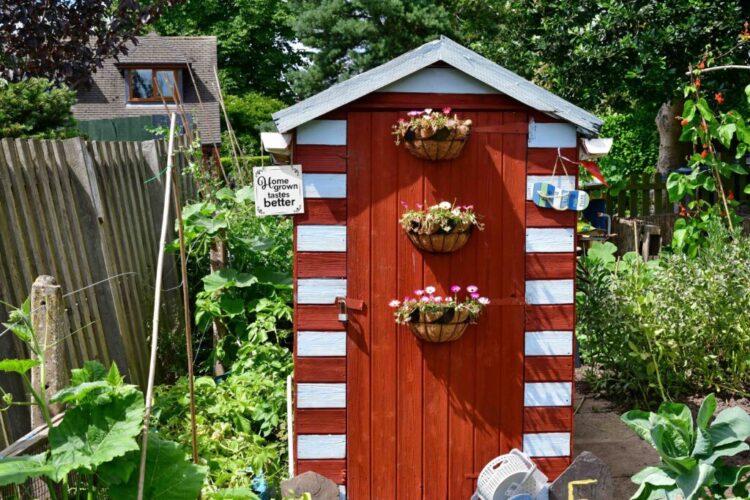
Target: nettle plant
[(714, 134), (692, 453)]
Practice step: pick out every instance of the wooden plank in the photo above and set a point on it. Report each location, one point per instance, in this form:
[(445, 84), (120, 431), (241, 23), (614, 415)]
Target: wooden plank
[(548, 394), (335, 470), (552, 135), (321, 265), (320, 291), (560, 181), (320, 421), (322, 132), (550, 292), (320, 369), (384, 233), (323, 211), (548, 368), (318, 318), (311, 395), (548, 217), (320, 238), (324, 185), (547, 444), (359, 346), (550, 240), (320, 446), (552, 317), (552, 467), (541, 161), (321, 344), (549, 343), (547, 419), (401, 101), (316, 158), (549, 266)]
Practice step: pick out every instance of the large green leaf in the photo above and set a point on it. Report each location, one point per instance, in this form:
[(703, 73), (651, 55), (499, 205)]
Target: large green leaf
[(653, 475), (169, 476), (79, 392), (17, 470), (90, 372), (692, 483), (706, 411), (730, 425), (91, 435), (225, 278), (703, 446), (679, 416), (19, 366), (639, 422)]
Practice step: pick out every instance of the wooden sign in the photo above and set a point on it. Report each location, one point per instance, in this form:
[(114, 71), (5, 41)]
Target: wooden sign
[(278, 190)]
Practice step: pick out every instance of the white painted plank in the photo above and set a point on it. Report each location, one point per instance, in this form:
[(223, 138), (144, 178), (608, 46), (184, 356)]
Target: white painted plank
[(324, 185), (342, 492), (439, 80), (318, 344), (321, 238), (321, 395), (548, 240), (552, 135), (547, 394), (550, 292), (548, 444), (549, 343), (320, 291), (322, 132), (313, 446), (566, 182)]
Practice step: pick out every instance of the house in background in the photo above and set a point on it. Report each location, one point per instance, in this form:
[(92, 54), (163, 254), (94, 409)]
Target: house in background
[(139, 83)]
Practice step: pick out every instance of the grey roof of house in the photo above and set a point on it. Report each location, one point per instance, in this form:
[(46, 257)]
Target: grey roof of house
[(453, 54)]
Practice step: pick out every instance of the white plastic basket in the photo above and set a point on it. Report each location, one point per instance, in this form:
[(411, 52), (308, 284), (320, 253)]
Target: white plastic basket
[(509, 475)]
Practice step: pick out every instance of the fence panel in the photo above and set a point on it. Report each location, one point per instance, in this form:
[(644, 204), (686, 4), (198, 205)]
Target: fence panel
[(88, 213)]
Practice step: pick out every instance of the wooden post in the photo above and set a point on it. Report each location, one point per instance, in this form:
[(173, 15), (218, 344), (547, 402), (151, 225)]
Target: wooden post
[(48, 322), (218, 259)]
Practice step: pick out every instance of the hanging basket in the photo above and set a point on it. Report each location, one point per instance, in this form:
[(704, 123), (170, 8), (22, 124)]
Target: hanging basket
[(444, 144), (440, 242), (437, 328)]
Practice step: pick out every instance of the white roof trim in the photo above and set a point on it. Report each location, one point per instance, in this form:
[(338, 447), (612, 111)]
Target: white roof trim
[(447, 51)]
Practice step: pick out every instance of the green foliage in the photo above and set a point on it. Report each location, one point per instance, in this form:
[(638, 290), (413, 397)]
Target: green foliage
[(250, 114), (36, 108), (667, 328), (241, 419), (692, 454)]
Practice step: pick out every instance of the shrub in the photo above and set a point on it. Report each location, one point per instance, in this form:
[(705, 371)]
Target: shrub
[(671, 327), (250, 114), (36, 108)]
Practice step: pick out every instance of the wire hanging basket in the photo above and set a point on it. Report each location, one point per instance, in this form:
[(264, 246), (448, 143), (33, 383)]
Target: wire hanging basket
[(441, 326), (440, 242), (445, 144)]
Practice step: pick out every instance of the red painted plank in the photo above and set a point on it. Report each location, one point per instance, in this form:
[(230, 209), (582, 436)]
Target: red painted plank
[(320, 421), (321, 265), (550, 266), (320, 369), (359, 342), (550, 317), (409, 383), (335, 470), (317, 318), (541, 161), (549, 369), (548, 419), (548, 217), (407, 101), (552, 467), (323, 211), (325, 159)]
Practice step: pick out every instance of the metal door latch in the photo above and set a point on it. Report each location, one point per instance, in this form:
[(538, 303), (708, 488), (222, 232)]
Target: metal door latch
[(346, 303)]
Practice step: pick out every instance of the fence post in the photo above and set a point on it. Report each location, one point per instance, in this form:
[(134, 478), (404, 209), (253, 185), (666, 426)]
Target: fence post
[(48, 322)]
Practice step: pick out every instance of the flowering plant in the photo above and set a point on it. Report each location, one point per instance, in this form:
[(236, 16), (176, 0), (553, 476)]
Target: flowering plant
[(430, 124), (426, 307), (443, 217)]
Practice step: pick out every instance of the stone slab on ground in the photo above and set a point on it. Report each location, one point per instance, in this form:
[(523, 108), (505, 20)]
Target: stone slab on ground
[(587, 477)]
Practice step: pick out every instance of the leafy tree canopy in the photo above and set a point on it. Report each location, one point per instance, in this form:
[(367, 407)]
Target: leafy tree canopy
[(67, 40), (254, 40), (36, 108)]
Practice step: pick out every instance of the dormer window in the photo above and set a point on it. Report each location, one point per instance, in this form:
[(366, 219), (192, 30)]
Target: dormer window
[(153, 84)]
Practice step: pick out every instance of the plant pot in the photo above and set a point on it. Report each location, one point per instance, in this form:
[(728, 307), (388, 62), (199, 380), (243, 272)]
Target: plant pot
[(440, 242), (443, 145), (438, 332)]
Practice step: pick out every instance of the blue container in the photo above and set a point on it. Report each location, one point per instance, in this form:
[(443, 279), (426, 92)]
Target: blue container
[(591, 213)]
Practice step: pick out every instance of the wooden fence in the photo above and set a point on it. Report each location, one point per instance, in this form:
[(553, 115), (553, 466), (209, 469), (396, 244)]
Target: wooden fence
[(88, 213)]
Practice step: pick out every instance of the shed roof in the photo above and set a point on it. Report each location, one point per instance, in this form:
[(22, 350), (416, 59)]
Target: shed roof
[(449, 52)]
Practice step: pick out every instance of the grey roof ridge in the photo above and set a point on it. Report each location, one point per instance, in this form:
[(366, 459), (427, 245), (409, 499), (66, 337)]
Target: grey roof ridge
[(446, 50)]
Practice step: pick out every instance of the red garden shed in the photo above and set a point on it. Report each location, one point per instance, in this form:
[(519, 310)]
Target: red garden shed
[(377, 410)]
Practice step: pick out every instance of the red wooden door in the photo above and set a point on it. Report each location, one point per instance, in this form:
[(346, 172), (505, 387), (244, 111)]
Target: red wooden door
[(423, 419)]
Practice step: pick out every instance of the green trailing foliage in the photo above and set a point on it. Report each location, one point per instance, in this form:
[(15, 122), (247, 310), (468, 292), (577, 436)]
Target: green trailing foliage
[(659, 330), (692, 454), (37, 108)]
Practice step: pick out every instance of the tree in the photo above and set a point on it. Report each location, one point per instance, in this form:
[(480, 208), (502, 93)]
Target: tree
[(254, 40), (67, 40), (36, 108)]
